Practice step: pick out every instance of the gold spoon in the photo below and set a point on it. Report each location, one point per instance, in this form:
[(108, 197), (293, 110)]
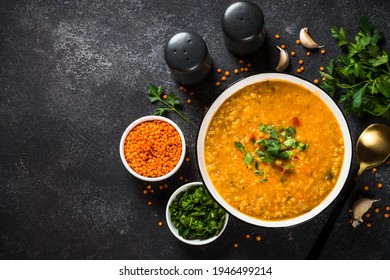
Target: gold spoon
[(372, 149)]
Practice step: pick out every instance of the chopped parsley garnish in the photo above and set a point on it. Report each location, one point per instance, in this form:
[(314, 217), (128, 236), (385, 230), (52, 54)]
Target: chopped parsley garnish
[(278, 145)]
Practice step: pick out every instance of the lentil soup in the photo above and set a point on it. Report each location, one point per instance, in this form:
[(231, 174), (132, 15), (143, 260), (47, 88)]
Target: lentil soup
[(274, 150)]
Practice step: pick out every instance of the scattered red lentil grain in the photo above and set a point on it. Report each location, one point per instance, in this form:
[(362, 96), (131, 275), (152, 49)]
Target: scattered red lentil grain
[(323, 51), (219, 70), (299, 70), (249, 65), (160, 224), (181, 88), (161, 187), (350, 210), (181, 178), (189, 101), (322, 68), (148, 187), (236, 71), (277, 36), (374, 170), (145, 191), (165, 96), (323, 78), (192, 93), (283, 46), (302, 68), (187, 159), (368, 215), (366, 188), (298, 42), (377, 210), (293, 53), (369, 225), (350, 221), (227, 73), (223, 78), (149, 203), (185, 90), (308, 54), (165, 186), (217, 84), (247, 236), (186, 180), (380, 185), (258, 237), (151, 191), (301, 62), (246, 69), (316, 81), (241, 61), (386, 215), (242, 69), (387, 208), (235, 245), (153, 148)]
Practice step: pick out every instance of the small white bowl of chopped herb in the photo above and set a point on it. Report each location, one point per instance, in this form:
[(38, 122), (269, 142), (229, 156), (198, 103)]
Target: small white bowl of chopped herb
[(152, 148), (193, 216)]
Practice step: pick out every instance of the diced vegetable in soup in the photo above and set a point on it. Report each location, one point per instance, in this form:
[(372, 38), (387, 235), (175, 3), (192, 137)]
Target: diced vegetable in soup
[(274, 150)]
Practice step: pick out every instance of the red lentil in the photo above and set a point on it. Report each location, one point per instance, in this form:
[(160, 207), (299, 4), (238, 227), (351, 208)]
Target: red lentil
[(236, 71), (368, 215), (247, 236), (366, 188), (308, 54), (293, 53), (189, 101), (323, 51), (377, 210), (369, 225), (316, 81), (235, 245), (277, 36), (298, 42), (153, 148), (227, 73), (301, 62), (217, 84), (387, 208), (160, 224), (380, 185), (149, 203), (223, 78), (322, 68), (386, 215), (258, 237), (219, 70), (283, 46), (374, 170)]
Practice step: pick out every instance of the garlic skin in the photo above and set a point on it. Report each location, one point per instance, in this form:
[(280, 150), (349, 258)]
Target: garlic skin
[(284, 60), (360, 207), (306, 40)]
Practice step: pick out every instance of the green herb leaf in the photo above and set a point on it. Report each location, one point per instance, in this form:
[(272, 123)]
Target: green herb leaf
[(239, 146), (259, 172), (266, 128), (248, 158)]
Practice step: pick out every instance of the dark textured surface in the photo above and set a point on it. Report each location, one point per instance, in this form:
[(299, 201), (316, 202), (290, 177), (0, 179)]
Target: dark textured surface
[(73, 76)]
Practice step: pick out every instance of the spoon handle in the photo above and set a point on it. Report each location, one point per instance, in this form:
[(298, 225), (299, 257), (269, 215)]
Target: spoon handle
[(319, 244)]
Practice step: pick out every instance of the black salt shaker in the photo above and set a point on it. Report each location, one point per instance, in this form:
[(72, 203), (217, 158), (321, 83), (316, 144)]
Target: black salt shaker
[(188, 58), (243, 28)]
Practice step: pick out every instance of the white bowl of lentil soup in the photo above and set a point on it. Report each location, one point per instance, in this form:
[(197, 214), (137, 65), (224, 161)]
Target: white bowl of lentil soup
[(152, 148), (274, 150), (193, 216)]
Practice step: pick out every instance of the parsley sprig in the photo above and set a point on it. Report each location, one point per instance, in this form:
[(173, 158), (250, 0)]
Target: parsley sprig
[(362, 74), (154, 95)]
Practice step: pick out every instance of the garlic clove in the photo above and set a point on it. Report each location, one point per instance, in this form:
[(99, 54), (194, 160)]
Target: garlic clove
[(306, 40), (360, 207), (284, 60)]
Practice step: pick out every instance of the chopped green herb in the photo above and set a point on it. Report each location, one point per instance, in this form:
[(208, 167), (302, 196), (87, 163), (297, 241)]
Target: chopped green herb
[(290, 131), (196, 215), (154, 95), (259, 172), (239, 146), (266, 128), (248, 158)]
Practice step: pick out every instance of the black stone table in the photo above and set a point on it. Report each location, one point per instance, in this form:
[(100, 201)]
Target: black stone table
[(73, 76)]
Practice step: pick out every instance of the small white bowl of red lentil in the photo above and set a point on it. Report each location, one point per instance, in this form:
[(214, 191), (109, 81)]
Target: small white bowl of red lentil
[(152, 148)]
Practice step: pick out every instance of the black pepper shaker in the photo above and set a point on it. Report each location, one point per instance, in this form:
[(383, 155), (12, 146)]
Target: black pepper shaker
[(243, 28), (188, 58)]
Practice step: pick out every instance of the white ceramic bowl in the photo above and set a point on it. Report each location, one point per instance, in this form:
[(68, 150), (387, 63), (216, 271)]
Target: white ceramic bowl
[(134, 124), (329, 102), (173, 228)]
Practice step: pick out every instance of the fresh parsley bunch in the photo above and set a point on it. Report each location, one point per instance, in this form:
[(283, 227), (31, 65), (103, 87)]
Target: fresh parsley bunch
[(362, 74)]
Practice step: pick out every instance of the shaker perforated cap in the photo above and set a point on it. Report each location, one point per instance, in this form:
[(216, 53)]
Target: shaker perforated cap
[(243, 28), (187, 56)]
